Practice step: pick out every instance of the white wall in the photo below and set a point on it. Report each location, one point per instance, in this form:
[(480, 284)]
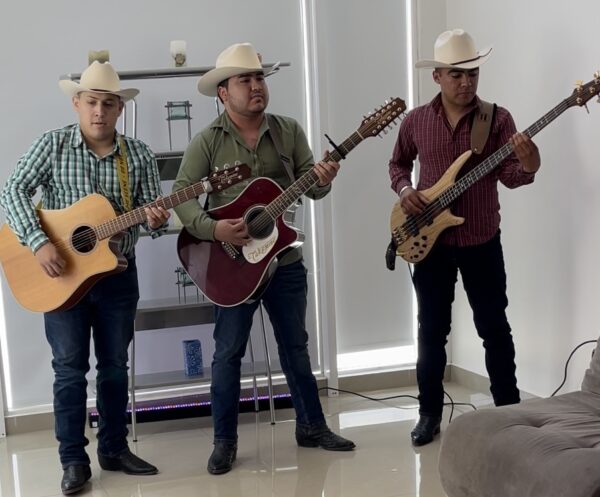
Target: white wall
[(549, 228)]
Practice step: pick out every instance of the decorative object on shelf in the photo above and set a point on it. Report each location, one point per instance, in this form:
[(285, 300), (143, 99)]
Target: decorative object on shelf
[(179, 111), (99, 55), (183, 281), (192, 357), (178, 52)]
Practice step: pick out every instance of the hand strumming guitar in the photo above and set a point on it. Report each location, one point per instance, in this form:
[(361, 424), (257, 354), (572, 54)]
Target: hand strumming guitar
[(412, 201), (50, 259), (232, 231)]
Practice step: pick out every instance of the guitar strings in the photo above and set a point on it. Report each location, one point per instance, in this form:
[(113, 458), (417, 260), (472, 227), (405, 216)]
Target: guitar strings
[(287, 197), (92, 234), (414, 223)]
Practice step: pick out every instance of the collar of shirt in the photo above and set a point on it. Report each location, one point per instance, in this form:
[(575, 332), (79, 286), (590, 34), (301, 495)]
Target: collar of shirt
[(437, 106), (226, 124), (78, 141)]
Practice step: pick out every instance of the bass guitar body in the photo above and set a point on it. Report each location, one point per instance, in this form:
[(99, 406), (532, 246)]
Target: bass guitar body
[(416, 239)]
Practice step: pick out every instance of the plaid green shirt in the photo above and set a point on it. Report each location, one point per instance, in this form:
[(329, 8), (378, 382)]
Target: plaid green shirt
[(67, 170)]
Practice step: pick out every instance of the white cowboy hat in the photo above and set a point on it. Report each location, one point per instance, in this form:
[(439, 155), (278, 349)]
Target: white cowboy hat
[(456, 49), (99, 77), (237, 59)]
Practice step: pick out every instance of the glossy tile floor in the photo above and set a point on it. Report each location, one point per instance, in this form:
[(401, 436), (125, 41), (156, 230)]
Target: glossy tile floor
[(269, 462)]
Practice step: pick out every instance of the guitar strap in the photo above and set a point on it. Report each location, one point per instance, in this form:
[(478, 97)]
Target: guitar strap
[(482, 124), (276, 137), (123, 173)]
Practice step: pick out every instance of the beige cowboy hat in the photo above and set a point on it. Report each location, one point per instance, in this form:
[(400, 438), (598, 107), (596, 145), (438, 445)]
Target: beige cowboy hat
[(99, 77), (455, 49), (237, 59)]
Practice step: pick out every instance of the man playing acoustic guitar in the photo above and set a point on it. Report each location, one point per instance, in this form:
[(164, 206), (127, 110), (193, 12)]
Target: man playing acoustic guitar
[(69, 164), (439, 132), (243, 133)]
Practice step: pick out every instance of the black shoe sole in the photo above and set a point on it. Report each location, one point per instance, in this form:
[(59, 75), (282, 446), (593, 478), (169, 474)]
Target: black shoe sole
[(313, 444), (219, 471), (109, 465), (74, 490)]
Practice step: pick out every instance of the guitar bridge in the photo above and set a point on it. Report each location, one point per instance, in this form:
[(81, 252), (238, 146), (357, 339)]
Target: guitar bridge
[(231, 251)]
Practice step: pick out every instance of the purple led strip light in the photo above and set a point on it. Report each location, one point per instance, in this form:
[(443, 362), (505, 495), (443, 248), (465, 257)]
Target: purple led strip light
[(196, 404)]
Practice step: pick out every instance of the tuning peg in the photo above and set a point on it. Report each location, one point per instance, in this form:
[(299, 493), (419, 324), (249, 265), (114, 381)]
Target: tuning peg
[(597, 75), (578, 84), (586, 108)]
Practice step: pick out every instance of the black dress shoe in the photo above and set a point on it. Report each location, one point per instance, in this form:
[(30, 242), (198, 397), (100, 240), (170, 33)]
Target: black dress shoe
[(321, 436), (127, 462), (222, 457), (427, 428), (74, 478)]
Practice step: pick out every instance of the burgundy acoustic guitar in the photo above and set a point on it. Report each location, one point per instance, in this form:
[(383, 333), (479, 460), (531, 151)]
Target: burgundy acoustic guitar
[(229, 275)]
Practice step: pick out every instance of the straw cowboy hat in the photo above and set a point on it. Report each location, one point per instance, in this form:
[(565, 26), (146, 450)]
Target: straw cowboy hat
[(455, 49), (237, 59), (99, 77)]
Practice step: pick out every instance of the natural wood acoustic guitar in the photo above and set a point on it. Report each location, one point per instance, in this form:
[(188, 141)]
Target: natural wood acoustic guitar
[(87, 236)]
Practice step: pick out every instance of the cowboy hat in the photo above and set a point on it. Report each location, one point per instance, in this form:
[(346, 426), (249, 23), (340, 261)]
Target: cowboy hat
[(99, 77), (237, 59), (455, 49)]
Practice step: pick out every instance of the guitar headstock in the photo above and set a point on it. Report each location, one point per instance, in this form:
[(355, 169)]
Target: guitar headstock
[(382, 118), (230, 175), (584, 92)]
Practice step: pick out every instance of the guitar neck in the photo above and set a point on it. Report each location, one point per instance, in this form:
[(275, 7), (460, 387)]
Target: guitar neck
[(494, 160), (138, 216), (310, 178)]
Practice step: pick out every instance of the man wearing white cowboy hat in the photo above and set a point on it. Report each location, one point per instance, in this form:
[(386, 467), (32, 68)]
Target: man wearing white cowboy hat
[(438, 132), (68, 164), (245, 133)]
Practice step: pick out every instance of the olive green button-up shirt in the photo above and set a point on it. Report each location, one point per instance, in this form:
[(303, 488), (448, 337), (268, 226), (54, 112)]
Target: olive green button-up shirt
[(221, 145)]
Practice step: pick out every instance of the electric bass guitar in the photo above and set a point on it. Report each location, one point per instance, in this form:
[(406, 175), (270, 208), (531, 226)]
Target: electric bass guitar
[(228, 274), (90, 247), (413, 236)]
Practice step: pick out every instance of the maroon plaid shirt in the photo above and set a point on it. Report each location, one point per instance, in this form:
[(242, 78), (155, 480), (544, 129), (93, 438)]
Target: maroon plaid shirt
[(425, 132)]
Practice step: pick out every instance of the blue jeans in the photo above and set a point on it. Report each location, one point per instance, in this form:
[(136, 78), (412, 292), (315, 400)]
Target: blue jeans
[(285, 302), (484, 280), (109, 310)]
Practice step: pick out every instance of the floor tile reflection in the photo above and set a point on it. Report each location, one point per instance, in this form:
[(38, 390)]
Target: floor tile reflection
[(269, 462)]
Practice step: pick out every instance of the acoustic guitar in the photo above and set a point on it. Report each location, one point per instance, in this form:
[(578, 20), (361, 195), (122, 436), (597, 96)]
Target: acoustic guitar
[(87, 236), (228, 274), (413, 236)]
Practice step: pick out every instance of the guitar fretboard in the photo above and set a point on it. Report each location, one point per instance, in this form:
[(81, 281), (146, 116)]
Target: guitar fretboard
[(488, 165), (299, 187)]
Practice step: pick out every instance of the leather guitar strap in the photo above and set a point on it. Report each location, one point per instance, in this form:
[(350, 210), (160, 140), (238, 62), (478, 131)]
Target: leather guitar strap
[(482, 124), (276, 137), (124, 175)]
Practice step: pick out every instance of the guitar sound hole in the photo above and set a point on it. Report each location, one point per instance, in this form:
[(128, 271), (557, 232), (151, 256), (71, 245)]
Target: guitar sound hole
[(83, 239), (260, 224)]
